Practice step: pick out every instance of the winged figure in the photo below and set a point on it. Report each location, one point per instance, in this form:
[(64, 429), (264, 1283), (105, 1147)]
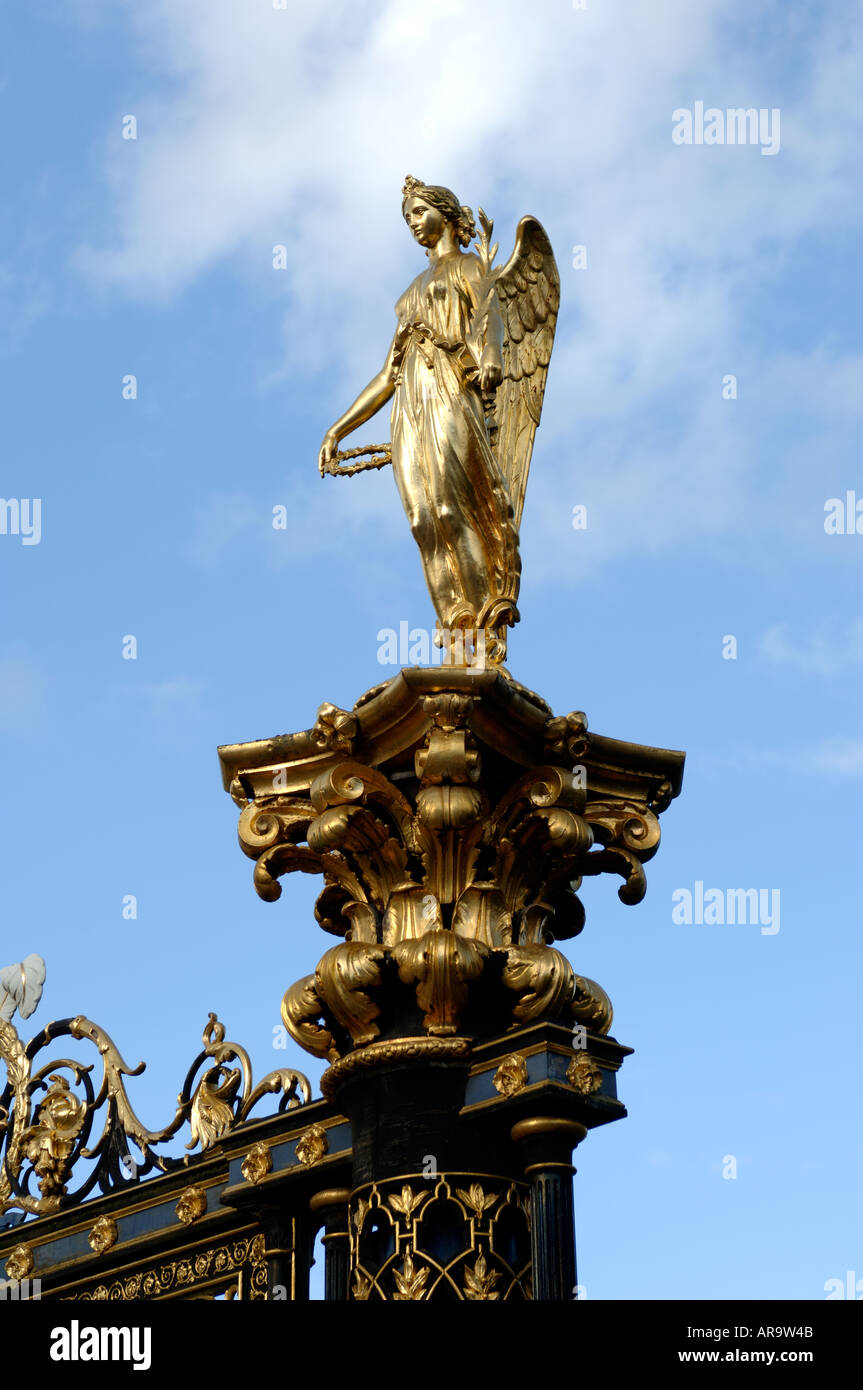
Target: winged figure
[(466, 373)]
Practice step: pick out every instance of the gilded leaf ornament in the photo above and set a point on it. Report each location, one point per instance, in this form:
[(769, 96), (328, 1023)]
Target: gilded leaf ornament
[(406, 1202), (477, 1200), (479, 1282), (410, 1282)]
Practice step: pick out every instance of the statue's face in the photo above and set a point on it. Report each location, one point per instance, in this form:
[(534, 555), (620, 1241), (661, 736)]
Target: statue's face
[(425, 222)]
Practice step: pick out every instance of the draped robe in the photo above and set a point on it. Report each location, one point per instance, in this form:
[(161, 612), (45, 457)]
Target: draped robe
[(448, 477)]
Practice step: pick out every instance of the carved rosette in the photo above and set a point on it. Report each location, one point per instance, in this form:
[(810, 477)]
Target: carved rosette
[(312, 1145), (511, 1075), (19, 1264), (584, 1075), (452, 824), (257, 1163), (192, 1205), (103, 1235)]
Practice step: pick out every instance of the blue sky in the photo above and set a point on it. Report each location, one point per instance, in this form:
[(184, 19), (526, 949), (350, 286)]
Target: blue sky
[(259, 127)]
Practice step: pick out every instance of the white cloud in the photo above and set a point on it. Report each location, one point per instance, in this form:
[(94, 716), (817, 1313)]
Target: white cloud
[(22, 696), (297, 127), (163, 708), (824, 653), (836, 757), (843, 757)]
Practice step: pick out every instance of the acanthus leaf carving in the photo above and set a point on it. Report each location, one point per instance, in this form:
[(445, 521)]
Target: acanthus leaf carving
[(342, 981), (542, 978), (441, 965)]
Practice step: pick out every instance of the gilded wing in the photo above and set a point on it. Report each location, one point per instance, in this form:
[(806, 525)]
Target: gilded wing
[(528, 289)]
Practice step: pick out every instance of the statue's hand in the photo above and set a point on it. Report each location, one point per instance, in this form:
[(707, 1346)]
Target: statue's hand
[(490, 369), (328, 451)]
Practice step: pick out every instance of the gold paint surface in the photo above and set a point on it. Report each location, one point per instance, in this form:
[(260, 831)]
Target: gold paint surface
[(465, 374)]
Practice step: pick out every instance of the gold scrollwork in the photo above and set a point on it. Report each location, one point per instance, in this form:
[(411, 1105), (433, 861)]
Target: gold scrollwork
[(218, 1263), (47, 1145), (50, 1141)]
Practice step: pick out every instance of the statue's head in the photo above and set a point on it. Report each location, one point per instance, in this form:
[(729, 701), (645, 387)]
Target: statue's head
[(427, 208)]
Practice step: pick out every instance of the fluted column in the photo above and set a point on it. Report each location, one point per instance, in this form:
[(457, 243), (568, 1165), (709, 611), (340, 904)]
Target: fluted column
[(547, 1143), (332, 1205), (287, 1257)]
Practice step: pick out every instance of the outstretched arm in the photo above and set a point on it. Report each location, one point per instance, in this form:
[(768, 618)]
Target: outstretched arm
[(367, 404)]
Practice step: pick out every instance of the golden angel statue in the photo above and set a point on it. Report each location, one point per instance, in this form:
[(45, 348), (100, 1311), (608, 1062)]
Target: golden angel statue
[(466, 373)]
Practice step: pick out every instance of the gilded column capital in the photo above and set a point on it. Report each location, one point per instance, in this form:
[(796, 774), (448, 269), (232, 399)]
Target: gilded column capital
[(451, 818)]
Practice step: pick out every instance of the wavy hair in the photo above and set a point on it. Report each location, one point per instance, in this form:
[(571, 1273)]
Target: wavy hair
[(446, 203)]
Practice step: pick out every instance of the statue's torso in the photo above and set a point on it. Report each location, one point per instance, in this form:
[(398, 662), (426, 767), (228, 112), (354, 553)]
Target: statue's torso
[(442, 300)]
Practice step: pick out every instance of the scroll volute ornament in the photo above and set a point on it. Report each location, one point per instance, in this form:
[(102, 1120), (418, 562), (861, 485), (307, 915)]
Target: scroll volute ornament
[(629, 833), (543, 842)]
